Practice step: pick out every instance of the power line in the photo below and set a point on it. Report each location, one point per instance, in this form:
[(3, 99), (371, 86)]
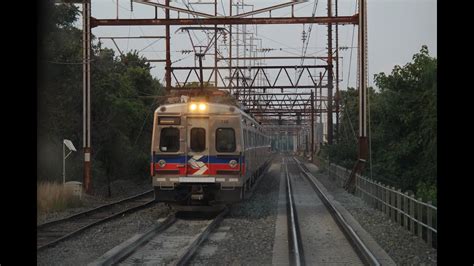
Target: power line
[(352, 45), (66, 63), (309, 32)]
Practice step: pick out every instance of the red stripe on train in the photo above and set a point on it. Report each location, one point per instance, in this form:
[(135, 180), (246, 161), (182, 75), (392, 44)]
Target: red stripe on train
[(212, 168), (170, 166)]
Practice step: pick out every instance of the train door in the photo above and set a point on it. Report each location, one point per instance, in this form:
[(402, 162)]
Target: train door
[(197, 148)]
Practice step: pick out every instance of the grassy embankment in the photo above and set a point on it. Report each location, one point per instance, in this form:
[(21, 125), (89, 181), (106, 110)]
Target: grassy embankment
[(52, 197)]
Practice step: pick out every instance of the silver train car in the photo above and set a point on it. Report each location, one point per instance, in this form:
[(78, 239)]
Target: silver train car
[(206, 153)]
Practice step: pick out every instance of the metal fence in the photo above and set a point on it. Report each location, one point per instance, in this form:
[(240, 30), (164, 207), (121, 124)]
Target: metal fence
[(413, 214)]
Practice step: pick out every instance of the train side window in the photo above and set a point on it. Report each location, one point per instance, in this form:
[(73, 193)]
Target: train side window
[(255, 139), (252, 141), (169, 139), (245, 138), (198, 139), (250, 138), (225, 140)]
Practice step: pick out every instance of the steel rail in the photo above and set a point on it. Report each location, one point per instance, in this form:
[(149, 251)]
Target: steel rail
[(185, 258), (296, 249), (123, 251), (44, 229), (361, 249), (126, 248)]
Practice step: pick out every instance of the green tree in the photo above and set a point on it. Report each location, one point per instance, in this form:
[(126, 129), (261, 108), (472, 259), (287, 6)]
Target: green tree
[(121, 118), (403, 127), (408, 124)]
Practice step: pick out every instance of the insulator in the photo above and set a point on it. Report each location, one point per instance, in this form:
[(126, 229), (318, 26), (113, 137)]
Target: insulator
[(224, 37)]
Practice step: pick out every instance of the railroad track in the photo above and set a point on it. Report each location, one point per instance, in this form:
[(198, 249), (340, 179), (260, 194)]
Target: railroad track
[(293, 168), (51, 233), (172, 242)]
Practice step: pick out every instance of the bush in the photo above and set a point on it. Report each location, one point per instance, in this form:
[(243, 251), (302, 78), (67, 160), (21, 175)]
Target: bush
[(428, 192), (53, 197)]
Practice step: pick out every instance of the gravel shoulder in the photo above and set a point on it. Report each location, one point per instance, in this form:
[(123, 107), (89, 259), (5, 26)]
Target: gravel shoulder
[(403, 248), (94, 242), (246, 235)]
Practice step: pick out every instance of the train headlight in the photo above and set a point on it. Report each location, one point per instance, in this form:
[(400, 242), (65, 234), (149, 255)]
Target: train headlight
[(161, 163), (233, 163), (202, 106), (193, 107)]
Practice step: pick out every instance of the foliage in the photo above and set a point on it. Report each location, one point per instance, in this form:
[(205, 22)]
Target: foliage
[(121, 116), (427, 191), (403, 127)]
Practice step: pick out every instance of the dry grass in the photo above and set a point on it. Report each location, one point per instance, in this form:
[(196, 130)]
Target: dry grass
[(53, 197)]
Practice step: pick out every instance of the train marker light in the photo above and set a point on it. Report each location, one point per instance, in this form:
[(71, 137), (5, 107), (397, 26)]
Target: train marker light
[(193, 107), (233, 163), (161, 163), (202, 107)]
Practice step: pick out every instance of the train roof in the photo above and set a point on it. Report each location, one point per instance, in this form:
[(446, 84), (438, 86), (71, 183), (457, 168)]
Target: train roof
[(212, 108)]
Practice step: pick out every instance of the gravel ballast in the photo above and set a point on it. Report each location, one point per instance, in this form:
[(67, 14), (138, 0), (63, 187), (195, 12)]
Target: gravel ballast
[(94, 242), (246, 235), (403, 247)]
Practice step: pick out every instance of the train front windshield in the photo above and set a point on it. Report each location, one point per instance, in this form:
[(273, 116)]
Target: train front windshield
[(225, 140), (169, 140)]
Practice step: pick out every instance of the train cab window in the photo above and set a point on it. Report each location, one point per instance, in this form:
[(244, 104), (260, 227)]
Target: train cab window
[(198, 139), (225, 140), (169, 139)]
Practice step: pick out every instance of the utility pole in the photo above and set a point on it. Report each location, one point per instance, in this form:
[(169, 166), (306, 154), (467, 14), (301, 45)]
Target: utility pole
[(201, 78), (337, 99), (330, 77), (86, 83), (363, 144), (168, 50), (215, 45), (312, 125), (362, 66), (230, 50)]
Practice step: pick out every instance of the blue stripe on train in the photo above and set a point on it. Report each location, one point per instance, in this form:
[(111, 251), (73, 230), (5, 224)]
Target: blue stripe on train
[(182, 159), (168, 159)]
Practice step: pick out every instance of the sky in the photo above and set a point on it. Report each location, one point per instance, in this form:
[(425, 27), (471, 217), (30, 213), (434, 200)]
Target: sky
[(396, 31)]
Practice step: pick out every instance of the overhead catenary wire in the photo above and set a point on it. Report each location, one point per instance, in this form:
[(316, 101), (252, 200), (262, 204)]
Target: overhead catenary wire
[(129, 27), (304, 49), (370, 135), (67, 63), (369, 121), (288, 49), (144, 121)]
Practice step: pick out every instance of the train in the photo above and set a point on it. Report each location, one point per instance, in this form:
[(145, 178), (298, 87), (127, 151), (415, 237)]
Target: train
[(206, 153)]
